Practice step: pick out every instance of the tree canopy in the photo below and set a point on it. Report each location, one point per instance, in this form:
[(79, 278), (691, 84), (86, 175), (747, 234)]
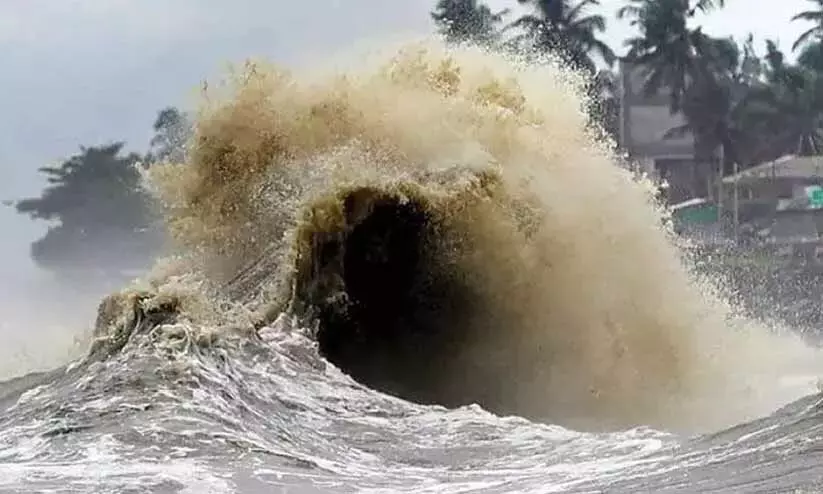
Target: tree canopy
[(100, 217), (172, 131), (467, 21), (566, 29)]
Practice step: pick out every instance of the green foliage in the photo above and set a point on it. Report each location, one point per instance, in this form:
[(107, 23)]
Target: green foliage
[(101, 219), (101, 215), (700, 74), (789, 108), (672, 54), (566, 30), (172, 131), (604, 102), (811, 56), (754, 109), (466, 21), (814, 33), (90, 186)]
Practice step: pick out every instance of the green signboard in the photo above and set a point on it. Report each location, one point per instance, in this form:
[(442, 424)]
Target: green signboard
[(705, 213), (815, 195)]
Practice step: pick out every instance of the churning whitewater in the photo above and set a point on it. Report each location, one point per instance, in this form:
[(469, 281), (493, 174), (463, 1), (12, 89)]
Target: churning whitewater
[(423, 271)]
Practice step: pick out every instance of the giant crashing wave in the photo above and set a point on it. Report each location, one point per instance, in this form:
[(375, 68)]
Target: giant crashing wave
[(452, 231)]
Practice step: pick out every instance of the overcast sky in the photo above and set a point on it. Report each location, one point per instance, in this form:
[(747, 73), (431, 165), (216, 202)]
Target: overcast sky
[(86, 72)]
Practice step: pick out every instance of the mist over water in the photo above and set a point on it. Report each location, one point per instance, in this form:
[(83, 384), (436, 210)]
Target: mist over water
[(43, 325), (45, 320), (458, 236)]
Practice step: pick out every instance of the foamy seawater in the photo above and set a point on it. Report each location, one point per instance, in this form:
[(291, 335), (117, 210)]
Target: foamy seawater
[(163, 416), (418, 272)]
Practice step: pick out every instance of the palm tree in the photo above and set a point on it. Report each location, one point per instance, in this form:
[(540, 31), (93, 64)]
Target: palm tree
[(670, 52), (790, 108), (694, 69), (720, 110), (811, 56), (635, 8), (604, 102), (816, 31), (566, 30), (706, 6), (467, 21)]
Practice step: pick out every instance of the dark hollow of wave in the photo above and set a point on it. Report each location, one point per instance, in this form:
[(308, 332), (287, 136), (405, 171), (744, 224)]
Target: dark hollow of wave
[(390, 311)]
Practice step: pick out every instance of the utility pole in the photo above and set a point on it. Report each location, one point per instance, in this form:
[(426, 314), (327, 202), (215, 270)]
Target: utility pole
[(721, 158), (736, 205), (622, 91)]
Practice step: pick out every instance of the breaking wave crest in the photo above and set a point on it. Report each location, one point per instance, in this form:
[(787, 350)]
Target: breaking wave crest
[(456, 233)]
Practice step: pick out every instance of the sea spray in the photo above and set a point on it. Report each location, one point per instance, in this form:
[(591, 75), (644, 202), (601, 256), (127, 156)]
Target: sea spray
[(529, 272)]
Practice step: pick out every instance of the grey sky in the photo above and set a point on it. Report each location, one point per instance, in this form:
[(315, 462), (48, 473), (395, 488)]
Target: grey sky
[(90, 71)]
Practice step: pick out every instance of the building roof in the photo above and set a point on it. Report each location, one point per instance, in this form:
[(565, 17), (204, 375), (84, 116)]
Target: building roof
[(790, 166), (697, 201)]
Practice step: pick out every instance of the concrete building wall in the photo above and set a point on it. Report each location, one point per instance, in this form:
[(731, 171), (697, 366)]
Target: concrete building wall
[(645, 121)]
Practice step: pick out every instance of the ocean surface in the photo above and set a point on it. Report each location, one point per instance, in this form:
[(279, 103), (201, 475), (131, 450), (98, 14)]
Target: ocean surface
[(415, 270)]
